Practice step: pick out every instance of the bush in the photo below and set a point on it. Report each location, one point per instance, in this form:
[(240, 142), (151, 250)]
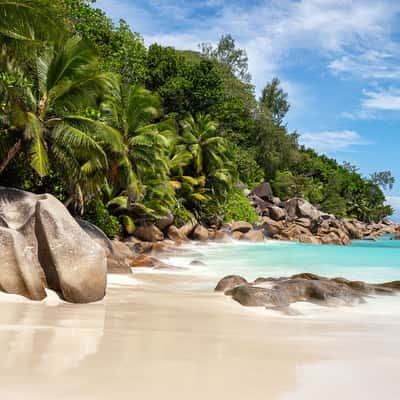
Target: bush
[(98, 215), (182, 215), (238, 208)]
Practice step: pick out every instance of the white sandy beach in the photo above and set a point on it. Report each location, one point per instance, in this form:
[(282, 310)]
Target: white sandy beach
[(151, 339)]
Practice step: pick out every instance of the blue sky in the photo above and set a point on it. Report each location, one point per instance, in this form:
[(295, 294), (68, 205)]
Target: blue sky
[(339, 60)]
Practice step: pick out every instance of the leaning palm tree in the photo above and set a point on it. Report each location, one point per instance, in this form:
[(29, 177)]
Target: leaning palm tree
[(43, 114)]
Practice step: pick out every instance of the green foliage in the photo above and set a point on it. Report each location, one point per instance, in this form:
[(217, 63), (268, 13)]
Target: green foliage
[(98, 214), (248, 170), (122, 51), (124, 133), (185, 86), (227, 54), (275, 100), (238, 208), (182, 215)]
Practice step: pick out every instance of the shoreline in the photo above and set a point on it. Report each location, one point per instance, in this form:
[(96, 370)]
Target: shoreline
[(159, 341)]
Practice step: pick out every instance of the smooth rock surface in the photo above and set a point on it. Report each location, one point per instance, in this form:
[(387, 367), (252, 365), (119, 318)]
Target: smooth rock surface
[(45, 246), (148, 232)]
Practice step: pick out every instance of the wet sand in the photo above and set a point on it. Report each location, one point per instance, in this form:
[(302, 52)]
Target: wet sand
[(161, 337)]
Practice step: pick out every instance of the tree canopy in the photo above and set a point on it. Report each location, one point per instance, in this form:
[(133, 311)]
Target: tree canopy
[(121, 132)]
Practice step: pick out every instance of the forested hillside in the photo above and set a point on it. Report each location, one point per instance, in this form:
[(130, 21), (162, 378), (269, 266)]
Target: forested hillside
[(122, 133)]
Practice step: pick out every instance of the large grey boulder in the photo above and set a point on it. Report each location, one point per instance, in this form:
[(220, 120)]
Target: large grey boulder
[(277, 213), (45, 246), (117, 252), (300, 208), (19, 267), (263, 191)]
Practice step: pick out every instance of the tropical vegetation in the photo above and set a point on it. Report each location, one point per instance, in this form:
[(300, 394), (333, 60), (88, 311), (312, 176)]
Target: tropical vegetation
[(122, 133)]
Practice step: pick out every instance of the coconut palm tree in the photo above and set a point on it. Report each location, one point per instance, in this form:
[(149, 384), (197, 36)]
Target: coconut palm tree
[(201, 138), (139, 179), (210, 158), (43, 113)]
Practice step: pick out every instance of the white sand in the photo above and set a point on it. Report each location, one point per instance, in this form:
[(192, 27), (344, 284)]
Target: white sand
[(161, 337)]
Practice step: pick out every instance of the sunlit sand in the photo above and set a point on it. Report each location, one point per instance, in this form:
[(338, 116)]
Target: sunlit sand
[(154, 337)]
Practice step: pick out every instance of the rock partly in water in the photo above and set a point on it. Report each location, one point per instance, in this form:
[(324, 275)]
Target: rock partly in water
[(176, 234), (237, 235), (253, 236), (271, 227), (229, 282), (148, 232), (188, 228), (241, 226), (280, 293), (221, 236), (145, 261), (200, 233), (45, 246)]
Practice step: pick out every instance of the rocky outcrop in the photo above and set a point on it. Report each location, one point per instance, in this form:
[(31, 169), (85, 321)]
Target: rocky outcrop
[(300, 221), (280, 293), (176, 234), (276, 213), (230, 282), (117, 259), (263, 192), (253, 236), (148, 232), (200, 233), (43, 246), (116, 251), (165, 221), (241, 226), (188, 228), (221, 236)]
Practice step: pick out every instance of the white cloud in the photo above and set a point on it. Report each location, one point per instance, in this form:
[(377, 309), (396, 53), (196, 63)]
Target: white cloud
[(332, 140), (370, 64), (386, 100), (269, 30)]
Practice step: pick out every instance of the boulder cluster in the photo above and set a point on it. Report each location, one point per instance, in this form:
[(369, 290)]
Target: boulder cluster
[(42, 246), (280, 293), (298, 220)]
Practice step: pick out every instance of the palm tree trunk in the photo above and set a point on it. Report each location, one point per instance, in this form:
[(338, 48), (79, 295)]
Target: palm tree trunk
[(10, 155)]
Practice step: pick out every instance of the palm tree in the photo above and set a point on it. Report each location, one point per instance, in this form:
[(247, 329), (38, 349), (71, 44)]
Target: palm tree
[(140, 185), (44, 116), (201, 138), (210, 158)]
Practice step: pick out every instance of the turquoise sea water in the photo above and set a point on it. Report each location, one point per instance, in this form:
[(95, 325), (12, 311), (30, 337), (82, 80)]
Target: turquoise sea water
[(364, 260)]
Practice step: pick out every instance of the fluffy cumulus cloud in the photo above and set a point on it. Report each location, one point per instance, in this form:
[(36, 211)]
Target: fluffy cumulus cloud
[(332, 141), (388, 100)]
